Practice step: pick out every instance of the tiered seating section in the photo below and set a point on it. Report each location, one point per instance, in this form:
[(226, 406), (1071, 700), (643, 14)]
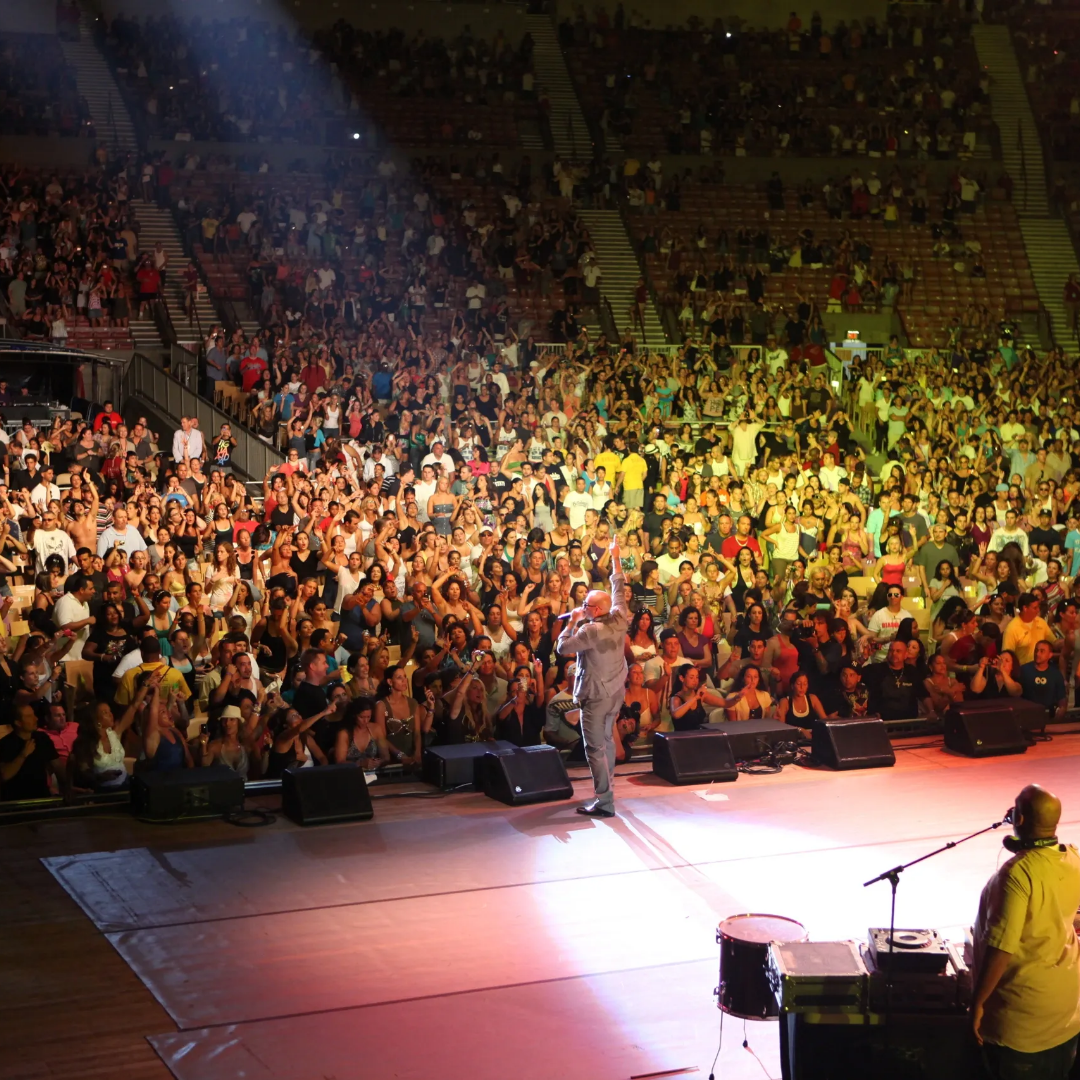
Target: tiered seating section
[(63, 271), (245, 81), (38, 95), (941, 293), (1047, 44), (909, 88), (469, 216)]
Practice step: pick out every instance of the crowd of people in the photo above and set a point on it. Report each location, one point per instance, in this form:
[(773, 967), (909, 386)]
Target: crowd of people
[(396, 580), (793, 546), (38, 93), (246, 80), (71, 263), (907, 87)]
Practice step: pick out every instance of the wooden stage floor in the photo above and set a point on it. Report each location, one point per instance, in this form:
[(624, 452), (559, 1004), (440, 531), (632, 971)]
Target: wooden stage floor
[(455, 937)]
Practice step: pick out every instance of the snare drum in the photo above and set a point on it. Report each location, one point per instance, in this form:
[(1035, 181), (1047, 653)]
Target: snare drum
[(744, 940)]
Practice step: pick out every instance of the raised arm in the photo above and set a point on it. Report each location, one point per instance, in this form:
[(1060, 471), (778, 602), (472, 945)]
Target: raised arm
[(618, 581)]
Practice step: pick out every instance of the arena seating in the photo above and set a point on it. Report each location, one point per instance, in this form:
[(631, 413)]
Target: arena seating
[(939, 291), (364, 195), (38, 95), (699, 89), (1047, 45), (379, 85)]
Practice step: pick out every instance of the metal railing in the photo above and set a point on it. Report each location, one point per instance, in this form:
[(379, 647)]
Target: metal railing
[(143, 378)]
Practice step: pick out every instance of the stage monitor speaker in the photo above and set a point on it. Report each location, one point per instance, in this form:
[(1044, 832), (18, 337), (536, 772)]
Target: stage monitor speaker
[(1030, 715), (693, 757), (526, 774), (324, 794), (460, 765), (752, 738), (983, 731), (187, 793), (859, 743)]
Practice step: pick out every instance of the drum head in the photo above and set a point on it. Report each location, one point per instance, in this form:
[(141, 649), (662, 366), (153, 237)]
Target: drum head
[(761, 929)]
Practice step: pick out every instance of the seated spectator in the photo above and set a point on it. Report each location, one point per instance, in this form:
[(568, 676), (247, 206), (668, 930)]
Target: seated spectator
[(28, 759), (894, 689), (749, 701), (1042, 682)]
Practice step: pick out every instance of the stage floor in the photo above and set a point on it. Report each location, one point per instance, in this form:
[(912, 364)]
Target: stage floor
[(456, 937)]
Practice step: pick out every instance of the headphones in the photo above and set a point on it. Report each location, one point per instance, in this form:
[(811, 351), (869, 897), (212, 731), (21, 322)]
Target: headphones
[(1015, 844)]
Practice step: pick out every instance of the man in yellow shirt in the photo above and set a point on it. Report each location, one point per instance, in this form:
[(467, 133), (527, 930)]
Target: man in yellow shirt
[(610, 462), (632, 481), (172, 681), (1026, 629), (1026, 1007)]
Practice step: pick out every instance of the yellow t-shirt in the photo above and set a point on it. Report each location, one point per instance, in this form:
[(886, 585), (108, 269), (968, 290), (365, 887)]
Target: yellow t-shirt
[(173, 681), (1026, 910), (634, 469), (611, 464), (1022, 637)]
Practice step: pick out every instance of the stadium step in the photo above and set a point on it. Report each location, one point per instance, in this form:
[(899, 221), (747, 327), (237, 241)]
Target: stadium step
[(156, 224), (621, 270), (1052, 257), (1049, 247), (568, 128), (1021, 147), (112, 122)]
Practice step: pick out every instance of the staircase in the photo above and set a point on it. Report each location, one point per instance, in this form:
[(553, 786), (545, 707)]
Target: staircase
[(568, 128), (96, 84), (619, 263), (1049, 247), (156, 224)]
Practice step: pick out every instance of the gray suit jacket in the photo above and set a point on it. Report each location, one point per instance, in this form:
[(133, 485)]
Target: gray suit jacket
[(599, 646)]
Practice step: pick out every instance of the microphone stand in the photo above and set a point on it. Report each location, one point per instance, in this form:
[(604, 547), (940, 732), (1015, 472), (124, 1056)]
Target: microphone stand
[(893, 878)]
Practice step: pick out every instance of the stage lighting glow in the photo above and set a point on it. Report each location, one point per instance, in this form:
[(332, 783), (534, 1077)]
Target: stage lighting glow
[(356, 134)]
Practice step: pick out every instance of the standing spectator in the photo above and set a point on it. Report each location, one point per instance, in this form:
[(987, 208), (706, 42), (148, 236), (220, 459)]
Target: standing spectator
[(188, 441), (1026, 629)]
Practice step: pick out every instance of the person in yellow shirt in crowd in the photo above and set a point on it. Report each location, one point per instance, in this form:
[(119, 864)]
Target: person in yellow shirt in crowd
[(1026, 629), (632, 479), (1026, 1006), (172, 681), (610, 461)]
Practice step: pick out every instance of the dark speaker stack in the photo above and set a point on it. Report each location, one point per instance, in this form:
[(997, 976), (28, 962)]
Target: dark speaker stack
[(988, 728), (752, 739), (326, 794), (526, 774), (186, 794), (459, 767), (693, 757), (859, 743)]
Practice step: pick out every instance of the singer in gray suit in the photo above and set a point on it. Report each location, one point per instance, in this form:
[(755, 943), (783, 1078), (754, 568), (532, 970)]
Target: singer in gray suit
[(596, 634)]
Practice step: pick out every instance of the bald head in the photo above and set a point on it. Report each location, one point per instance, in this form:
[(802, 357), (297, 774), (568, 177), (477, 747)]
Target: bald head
[(598, 603), (1037, 813)]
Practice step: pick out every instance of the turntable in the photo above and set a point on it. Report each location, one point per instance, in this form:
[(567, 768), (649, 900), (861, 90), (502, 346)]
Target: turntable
[(913, 951)]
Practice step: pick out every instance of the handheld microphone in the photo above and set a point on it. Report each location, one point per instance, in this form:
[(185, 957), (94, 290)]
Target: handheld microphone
[(566, 615)]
